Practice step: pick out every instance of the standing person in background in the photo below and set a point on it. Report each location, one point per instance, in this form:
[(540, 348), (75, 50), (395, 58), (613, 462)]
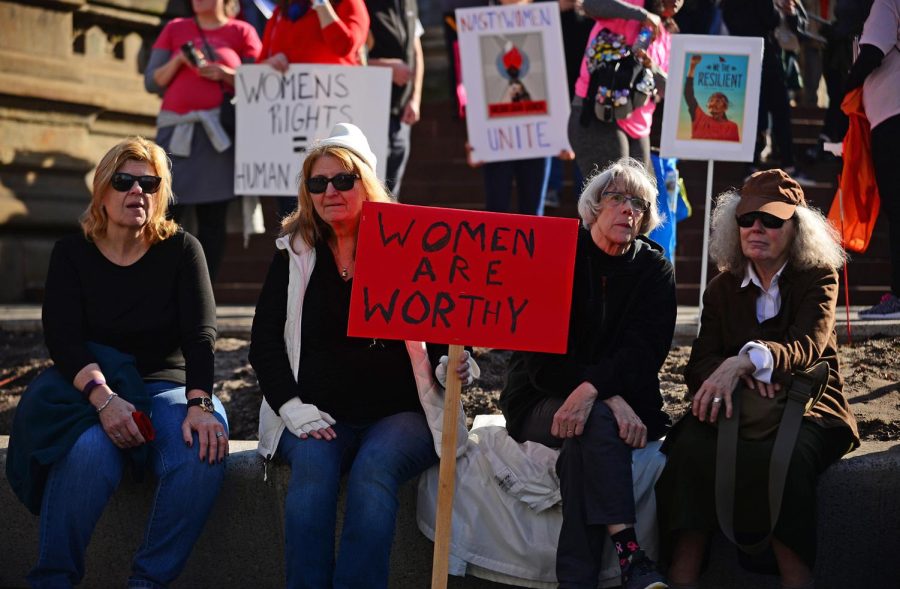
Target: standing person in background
[(192, 65), (396, 43), (598, 143), (877, 70), (759, 18), (313, 31)]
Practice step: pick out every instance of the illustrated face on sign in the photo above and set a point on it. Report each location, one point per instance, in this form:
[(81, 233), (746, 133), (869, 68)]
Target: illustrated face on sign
[(341, 203), (717, 105)]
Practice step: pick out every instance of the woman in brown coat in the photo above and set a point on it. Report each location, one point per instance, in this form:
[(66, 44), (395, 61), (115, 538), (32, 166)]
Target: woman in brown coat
[(768, 315)]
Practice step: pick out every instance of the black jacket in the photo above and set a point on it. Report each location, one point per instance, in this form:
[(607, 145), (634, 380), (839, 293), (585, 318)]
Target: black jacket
[(620, 332)]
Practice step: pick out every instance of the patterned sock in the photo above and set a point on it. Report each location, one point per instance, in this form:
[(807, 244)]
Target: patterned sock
[(626, 544)]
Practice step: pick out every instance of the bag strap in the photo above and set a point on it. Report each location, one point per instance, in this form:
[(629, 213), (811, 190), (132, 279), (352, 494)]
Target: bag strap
[(806, 389), (210, 53)]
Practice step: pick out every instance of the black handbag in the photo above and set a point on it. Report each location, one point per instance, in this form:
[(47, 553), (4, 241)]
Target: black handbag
[(227, 110)]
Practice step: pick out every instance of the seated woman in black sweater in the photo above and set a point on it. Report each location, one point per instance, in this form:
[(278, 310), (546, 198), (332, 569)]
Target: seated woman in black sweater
[(129, 320), (336, 404), (601, 398)]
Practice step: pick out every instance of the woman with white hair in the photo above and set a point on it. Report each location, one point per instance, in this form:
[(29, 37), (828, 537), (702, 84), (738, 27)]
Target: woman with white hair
[(601, 399), (769, 315)]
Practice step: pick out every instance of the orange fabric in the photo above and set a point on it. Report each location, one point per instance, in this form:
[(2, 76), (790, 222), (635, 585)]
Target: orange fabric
[(861, 201)]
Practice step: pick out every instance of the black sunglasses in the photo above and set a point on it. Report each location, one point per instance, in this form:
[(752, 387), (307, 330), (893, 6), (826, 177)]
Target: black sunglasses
[(343, 181), (769, 221), (123, 182)]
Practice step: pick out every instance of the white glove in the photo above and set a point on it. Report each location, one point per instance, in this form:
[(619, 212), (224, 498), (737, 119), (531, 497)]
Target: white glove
[(468, 377), (302, 418)]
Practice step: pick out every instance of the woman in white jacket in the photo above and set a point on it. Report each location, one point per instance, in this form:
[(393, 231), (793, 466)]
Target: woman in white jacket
[(336, 404)]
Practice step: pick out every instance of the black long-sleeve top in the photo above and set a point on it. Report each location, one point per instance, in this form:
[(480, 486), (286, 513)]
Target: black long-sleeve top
[(160, 309), (354, 379), (620, 331)]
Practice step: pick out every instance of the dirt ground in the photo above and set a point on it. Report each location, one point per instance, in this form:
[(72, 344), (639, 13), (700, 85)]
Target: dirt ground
[(871, 371)]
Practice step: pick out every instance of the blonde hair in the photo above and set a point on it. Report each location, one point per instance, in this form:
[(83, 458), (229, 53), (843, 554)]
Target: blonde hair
[(305, 221), (94, 220), (816, 243), (633, 178)]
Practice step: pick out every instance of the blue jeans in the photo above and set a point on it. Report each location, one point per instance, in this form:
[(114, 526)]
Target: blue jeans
[(80, 485), (379, 457), (530, 176)]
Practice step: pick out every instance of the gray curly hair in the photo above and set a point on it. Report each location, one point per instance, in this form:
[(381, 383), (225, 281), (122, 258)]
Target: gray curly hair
[(816, 243), (633, 178)]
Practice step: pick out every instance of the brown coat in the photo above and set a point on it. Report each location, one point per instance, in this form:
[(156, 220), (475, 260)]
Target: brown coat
[(799, 336)]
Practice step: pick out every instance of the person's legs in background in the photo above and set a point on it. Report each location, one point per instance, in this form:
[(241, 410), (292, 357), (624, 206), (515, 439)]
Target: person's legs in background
[(76, 492), (186, 490), (554, 183), (531, 184), (597, 144), (211, 219), (392, 451), (885, 155), (398, 154), (498, 181)]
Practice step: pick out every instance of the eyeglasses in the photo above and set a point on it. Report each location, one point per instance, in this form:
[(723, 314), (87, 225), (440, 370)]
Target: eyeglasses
[(637, 204), (318, 184), (769, 221), (123, 182)]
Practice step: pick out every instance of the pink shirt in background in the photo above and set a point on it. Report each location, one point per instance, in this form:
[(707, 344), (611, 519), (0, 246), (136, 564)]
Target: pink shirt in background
[(234, 41), (881, 90), (638, 122)]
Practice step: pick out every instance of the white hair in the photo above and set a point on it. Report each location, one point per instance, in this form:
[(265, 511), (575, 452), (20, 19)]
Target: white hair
[(816, 242), (633, 178)]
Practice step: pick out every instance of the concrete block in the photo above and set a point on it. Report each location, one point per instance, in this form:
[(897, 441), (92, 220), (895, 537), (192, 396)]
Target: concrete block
[(243, 542)]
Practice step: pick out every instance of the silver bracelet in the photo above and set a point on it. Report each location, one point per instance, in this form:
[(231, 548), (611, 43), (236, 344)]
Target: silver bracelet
[(106, 402)]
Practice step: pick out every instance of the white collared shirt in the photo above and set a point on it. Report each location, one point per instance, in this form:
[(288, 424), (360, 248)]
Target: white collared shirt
[(768, 304)]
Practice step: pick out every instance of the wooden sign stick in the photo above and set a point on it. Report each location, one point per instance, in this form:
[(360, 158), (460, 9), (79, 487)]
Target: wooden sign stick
[(447, 476)]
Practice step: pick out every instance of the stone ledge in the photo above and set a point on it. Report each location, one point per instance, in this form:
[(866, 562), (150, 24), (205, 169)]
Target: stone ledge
[(859, 519)]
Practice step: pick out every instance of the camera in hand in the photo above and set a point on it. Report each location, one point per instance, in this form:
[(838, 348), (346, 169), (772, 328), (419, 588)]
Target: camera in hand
[(191, 54)]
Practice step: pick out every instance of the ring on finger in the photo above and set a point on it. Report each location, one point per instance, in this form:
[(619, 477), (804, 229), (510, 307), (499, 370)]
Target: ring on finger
[(717, 400), (220, 434)]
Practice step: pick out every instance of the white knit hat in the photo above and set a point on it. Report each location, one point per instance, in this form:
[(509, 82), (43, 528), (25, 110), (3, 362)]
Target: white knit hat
[(351, 137)]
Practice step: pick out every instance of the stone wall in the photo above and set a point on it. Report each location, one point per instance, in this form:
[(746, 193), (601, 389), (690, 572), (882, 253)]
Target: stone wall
[(71, 86)]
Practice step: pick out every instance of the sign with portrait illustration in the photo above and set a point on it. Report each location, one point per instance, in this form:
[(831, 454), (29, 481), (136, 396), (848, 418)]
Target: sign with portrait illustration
[(712, 97), (514, 73), (279, 116), (463, 277)]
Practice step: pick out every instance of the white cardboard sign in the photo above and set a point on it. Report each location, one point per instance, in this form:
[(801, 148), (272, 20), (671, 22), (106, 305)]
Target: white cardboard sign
[(712, 98), (514, 73), (280, 116)]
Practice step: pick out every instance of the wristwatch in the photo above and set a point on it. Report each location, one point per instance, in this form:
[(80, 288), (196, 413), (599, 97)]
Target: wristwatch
[(204, 403)]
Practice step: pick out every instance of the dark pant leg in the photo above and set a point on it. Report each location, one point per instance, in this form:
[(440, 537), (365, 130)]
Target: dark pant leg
[(531, 184), (773, 99), (211, 233), (398, 154), (885, 157), (498, 180)]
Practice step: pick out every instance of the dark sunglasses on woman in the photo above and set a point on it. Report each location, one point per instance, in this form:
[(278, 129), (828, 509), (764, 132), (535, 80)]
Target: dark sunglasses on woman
[(123, 182), (769, 221), (343, 181)]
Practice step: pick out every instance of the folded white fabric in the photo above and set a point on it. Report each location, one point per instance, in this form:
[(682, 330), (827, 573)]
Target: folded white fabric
[(440, 371), (302, 418)]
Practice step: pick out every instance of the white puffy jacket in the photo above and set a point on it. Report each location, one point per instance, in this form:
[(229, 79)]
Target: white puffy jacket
[(302, 259)]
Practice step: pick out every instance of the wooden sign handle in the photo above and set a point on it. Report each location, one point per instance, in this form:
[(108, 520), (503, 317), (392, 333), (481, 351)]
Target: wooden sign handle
[(447, 477)]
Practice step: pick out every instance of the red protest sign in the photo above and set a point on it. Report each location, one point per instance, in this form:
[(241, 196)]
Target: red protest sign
[(463, 277)]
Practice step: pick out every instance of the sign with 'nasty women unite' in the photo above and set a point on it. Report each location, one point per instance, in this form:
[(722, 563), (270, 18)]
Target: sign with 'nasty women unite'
[(463, 277), (514, 72), (280, 116)]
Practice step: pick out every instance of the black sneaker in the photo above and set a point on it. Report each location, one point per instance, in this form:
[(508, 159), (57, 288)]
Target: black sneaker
[(642, 573)]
